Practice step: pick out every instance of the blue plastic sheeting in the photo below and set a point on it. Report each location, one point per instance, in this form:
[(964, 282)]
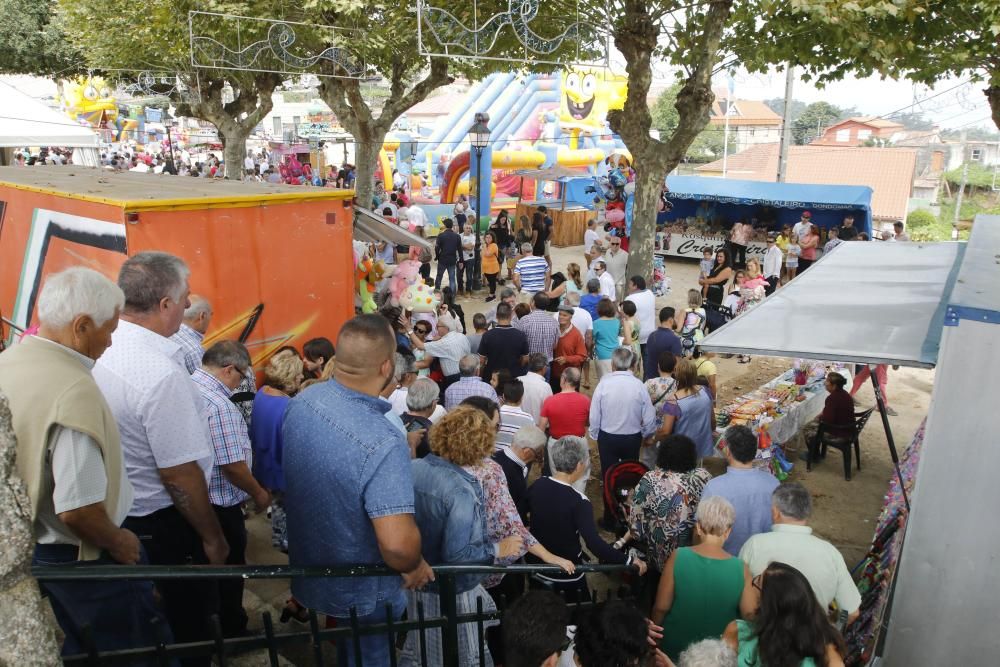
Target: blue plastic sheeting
[(784, 202)]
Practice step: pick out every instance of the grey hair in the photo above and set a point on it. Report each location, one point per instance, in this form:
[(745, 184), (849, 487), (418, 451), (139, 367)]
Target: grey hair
[(526, 248), (404, 364), (572, 298), (78, 291), (227, 353), (571, 375), (708, 653), (593, 286), (468, 365), (568, 452), (792, 500), (149, 277), (715, 515), (422, 394), (622, 359), (529, 437), (199, 305), (507, 293)]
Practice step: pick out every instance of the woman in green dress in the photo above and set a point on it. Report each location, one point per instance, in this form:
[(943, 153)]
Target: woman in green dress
[(790, 628), (703, 588)]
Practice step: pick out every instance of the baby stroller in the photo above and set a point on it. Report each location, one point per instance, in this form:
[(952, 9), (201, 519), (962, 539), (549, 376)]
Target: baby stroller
[(620, 480), (716, 315), (692, 330)]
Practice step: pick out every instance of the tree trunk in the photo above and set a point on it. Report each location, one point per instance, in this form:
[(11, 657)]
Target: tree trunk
[(648, 181), (993, 96), (26, 633), (234, 147), (366, 162)]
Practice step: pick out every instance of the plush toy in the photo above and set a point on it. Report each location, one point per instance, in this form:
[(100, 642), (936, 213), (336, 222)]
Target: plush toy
[(407, 273), (363, 266), (419, 298)]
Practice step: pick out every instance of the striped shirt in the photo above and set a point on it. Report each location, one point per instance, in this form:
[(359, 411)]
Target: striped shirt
[(230, 438), (190, 342), (542, 332), (532, 270), (512, 418), (466, 387)]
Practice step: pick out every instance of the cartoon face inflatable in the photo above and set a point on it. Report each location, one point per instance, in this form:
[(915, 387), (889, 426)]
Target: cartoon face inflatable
[(588, 94)]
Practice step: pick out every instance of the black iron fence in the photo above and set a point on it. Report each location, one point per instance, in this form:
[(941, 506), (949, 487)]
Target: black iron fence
[(317, 636)]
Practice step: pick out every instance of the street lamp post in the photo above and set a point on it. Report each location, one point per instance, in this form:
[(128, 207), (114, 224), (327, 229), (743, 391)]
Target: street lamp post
[(479, 138)]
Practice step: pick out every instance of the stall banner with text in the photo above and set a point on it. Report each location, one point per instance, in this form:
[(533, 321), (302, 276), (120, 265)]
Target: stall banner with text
[(693, 245)]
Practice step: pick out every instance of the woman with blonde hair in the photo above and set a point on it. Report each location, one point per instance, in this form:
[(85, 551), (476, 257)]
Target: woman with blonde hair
[(688, 411), (703, 588), (450, 512), (572, 283)]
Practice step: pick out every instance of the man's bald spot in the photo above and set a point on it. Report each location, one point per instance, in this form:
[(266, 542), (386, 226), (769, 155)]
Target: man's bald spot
[(364, 344)]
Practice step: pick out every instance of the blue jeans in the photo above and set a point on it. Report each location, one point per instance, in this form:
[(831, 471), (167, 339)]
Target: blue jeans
[(452, 283), (468, 272), (375, 648), (118, 614)]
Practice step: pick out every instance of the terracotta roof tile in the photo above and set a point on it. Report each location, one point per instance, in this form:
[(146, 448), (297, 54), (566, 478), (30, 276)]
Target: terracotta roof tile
[(888, 171), (749, 112)]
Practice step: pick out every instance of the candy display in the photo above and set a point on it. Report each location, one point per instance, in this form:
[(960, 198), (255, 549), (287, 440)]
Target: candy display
[(778, 410), (878, 569)]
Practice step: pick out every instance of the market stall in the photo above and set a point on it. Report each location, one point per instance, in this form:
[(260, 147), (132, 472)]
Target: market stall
[(919, 305), (782, 406), (704, 209), (569, 216)]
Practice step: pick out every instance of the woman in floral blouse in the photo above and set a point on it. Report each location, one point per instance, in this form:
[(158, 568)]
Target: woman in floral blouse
[(664, 502)]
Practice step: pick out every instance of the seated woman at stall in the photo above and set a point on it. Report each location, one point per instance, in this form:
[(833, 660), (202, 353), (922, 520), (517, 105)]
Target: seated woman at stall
[(837, 418)]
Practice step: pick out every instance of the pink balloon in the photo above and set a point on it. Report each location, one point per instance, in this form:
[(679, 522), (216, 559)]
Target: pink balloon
[(614, 215)]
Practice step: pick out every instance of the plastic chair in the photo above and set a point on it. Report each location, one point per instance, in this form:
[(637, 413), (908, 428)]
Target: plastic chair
[(818, 445)]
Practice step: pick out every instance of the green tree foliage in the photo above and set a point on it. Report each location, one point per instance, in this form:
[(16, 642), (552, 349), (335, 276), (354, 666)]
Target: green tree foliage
[(814, 120), (777, 105), (921, 40), (979, 176), (32, 43), (913, 121)]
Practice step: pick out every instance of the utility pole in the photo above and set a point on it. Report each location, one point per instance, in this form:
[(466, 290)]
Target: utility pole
[(961, 190), (786, 124)]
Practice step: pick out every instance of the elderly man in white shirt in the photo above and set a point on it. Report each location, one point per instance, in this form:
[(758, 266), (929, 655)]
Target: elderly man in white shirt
[(449, 349), (616, 261), (164, 435), (607, 281), (621, 412), (536, 387), (645, 309), (197, 317)]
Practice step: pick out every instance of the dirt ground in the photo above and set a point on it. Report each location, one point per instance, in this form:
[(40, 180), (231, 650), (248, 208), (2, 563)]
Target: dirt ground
[(844, 512)]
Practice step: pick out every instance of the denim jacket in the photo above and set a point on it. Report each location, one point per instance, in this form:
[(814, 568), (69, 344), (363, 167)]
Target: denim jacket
[(345, 464), (450, 514)]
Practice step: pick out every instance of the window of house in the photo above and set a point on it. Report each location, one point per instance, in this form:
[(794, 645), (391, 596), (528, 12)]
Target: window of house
[(977, 154), (752, 131), (864, 135), (843, 135)]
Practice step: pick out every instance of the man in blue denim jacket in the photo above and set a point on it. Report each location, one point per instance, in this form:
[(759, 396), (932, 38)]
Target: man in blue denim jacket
[(349, 497)]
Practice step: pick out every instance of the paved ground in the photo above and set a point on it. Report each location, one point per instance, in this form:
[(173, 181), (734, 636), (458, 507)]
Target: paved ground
[(844, 511)]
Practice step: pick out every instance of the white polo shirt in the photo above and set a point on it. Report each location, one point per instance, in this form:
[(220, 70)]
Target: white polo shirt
[(160, 415)]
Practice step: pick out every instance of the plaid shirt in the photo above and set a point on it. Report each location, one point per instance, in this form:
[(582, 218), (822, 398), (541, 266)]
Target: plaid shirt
[(230, 439), (190, 342), (542, 331), (465, 387)]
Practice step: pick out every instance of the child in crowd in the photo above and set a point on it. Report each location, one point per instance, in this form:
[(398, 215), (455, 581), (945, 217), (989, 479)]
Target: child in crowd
[(693, 324), (707, 263), (792, 256), (630, 328)]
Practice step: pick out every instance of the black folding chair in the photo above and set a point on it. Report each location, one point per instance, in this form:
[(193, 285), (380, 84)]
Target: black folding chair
[(822, 440)]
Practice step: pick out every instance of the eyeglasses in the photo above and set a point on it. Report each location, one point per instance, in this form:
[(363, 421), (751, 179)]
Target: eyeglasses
[(758, 582), (616, 244)]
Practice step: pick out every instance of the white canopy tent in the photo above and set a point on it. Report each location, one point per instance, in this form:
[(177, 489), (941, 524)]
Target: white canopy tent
[(371, 227), (922, 305), (24, 121)]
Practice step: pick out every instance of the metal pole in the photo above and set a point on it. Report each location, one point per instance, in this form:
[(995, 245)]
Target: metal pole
[(880, 401), (786, 124), (449, 609), (961, 189), (170, 145), (476, 280)]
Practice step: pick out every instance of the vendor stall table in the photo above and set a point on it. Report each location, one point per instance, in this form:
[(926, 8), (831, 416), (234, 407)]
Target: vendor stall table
[(568, 224)]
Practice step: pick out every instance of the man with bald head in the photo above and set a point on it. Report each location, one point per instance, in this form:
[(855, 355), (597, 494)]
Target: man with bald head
[(197, 317), (338, 445)]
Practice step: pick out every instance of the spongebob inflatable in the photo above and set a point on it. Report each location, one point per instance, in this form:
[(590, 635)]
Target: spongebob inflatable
[(90, 99), (588, 93)]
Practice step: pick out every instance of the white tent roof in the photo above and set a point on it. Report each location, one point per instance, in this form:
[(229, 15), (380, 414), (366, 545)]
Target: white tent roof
[(370, 226), (874, 303), (24, 121)]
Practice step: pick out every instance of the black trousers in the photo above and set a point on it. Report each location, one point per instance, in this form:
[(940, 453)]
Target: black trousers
[(188, 604), (804, 264), (739, 253), (232, 616), (491, 278), (772, 284)]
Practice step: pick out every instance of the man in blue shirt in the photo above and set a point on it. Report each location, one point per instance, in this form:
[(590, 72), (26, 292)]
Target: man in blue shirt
[(748, 490), (662, 340), (593, 296), (349, 496)]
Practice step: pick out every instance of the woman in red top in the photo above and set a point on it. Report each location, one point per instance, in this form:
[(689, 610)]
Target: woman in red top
[(808, 243), (838, 412)]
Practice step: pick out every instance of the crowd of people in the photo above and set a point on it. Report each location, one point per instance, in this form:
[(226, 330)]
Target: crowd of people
[(411, 444)]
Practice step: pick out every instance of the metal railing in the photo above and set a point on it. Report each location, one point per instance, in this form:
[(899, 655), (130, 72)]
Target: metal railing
[(224, 649)]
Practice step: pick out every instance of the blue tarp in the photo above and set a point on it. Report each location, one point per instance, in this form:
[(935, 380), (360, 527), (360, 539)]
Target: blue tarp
[(734, 200)]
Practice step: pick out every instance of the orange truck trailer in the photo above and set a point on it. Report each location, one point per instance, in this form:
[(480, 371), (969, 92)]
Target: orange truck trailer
[(276, 262)]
